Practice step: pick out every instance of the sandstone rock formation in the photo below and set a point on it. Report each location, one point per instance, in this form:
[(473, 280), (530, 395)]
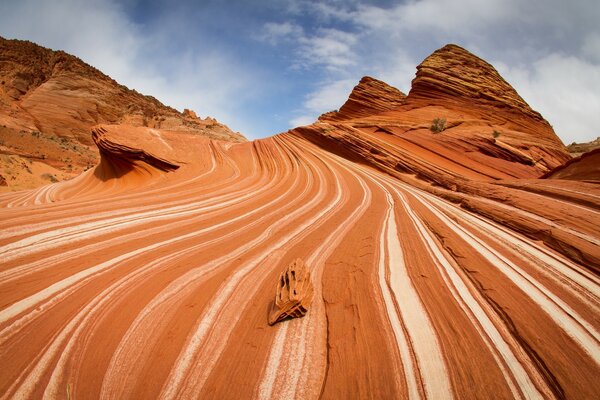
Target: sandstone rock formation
[(370, 96), (49, 100), (442, 266), (491, 132), (136, 151), (294, 293), (454, 74), (586, 167)]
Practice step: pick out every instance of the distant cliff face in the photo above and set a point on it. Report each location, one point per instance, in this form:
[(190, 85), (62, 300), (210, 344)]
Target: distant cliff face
[(577, 149), (49, 100)]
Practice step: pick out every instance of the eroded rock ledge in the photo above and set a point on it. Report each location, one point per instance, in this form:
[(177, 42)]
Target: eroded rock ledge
[(114, 146)]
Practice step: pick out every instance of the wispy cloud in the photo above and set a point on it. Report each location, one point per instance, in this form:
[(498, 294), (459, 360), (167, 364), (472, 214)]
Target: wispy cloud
[(327, 97), (325, 47), (330, 48), (274, 33)]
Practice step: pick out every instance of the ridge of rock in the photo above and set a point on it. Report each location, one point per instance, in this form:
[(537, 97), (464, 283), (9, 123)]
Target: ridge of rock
[(370, 96), (455, 73), (490, 133), (585, 167)]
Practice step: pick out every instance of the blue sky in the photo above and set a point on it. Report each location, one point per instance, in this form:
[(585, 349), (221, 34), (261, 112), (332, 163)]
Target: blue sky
[(263, 67)]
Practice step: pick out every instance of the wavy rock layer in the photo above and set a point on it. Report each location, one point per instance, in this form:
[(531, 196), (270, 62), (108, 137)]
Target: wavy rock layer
[(438, 270), (49, 100), (140, 140)]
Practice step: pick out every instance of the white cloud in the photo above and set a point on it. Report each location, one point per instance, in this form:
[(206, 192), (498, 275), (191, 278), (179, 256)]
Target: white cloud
[(327, 97), (330, 96), (435, 16), (302, 120), (397, 68), (325, 11), (331, 48), (565, 89), (274, 32), (326, 47), (591, 47)]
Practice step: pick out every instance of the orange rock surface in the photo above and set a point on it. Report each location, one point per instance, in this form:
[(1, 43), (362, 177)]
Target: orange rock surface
[(586, 167), (441, 265), (49, 100)]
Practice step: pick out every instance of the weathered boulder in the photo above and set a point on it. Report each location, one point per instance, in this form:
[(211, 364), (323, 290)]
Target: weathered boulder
[(294, 293)]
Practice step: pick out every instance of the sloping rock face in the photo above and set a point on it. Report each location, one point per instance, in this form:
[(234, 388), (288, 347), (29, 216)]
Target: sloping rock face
[(442, 267), (457, 79), (294, 293), (49, 100), (586, 167), (370, 96)]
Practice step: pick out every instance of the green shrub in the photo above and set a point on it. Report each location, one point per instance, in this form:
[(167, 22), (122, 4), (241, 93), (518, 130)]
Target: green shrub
[(49, 177), (496, 134), (438, 125)]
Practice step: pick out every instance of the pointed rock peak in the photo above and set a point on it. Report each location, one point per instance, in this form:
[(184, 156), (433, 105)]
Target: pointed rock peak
[(371, 96), (453, 72), (189, 113)]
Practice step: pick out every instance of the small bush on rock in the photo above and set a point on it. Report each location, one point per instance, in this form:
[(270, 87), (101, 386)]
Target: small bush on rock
[(438, 125)]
